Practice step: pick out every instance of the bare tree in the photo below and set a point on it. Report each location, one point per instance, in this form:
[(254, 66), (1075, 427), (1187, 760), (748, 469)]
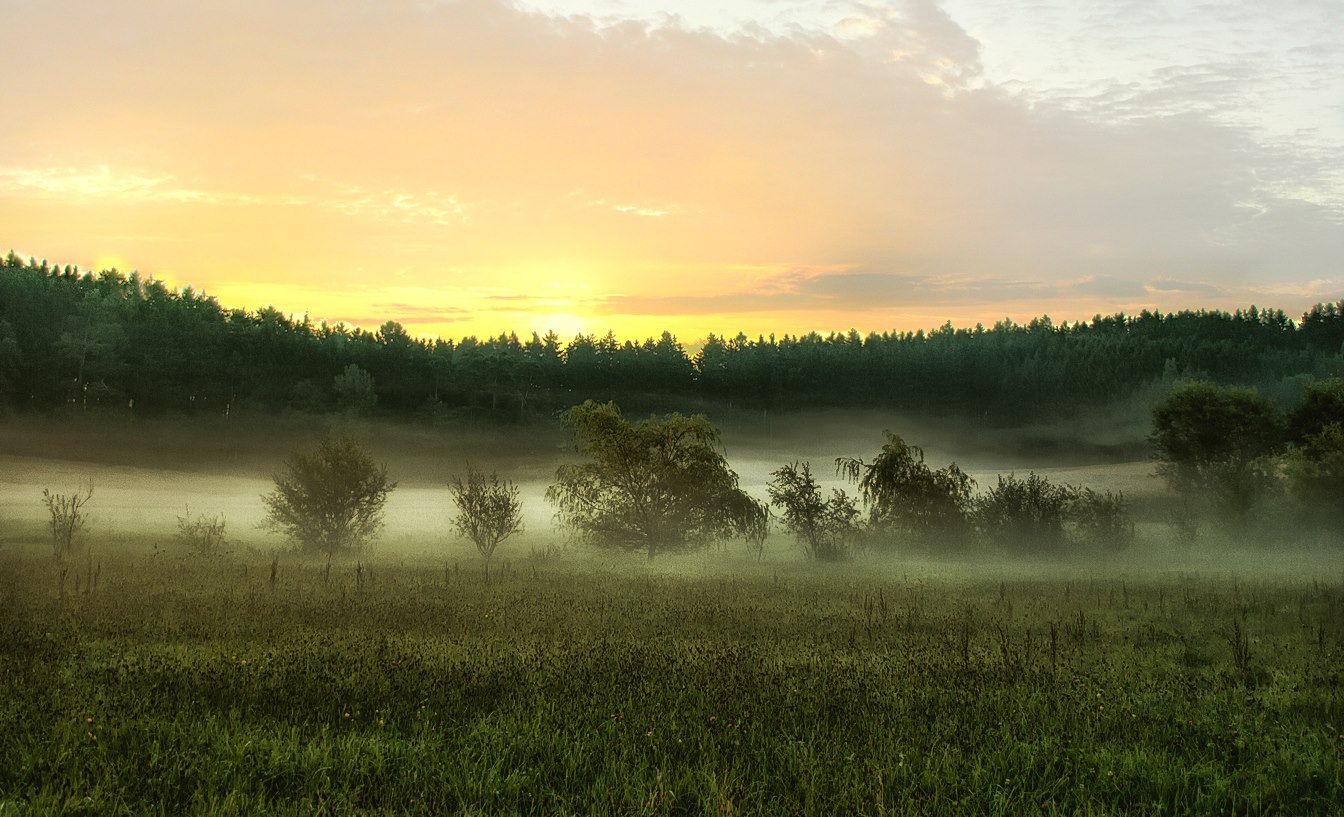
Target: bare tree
[(67, 518)]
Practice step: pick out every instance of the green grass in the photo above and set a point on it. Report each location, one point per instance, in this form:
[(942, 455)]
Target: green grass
[(197, 687)]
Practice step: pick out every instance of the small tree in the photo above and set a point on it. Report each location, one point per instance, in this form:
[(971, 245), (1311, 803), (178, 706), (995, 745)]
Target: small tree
[(329, 501), (1322, 406), (757, 531), (1218, 443), (488, 510), (1027, 514), (825, 528), (1315, 466), (67, 518), (906, 497), (656, 485)]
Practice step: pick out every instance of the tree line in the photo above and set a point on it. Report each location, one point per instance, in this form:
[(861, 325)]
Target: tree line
[(110, 341)]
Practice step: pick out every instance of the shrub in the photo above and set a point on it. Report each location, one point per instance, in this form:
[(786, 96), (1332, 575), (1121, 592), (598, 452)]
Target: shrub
[(1316, 474), (329, 501), (906, 497), (655, 485), (203, 534), (1102, 519), (1026, 514), (1217, 443)]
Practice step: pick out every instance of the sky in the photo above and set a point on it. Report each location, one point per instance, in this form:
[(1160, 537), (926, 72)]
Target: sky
[(764, 166)]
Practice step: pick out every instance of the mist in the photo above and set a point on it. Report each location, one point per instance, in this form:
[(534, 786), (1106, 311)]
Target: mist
[(145, 476)]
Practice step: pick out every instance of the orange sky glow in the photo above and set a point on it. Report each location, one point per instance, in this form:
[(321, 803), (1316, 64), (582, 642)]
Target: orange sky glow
[(475, 167)]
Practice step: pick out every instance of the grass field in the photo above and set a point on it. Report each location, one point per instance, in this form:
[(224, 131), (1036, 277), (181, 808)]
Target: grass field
[(165, 685)]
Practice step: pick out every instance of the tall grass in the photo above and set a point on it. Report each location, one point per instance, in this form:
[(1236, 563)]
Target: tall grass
[(239, 686)]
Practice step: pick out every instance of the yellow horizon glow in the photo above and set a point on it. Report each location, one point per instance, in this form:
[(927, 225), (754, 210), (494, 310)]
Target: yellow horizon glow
[(477, 169)]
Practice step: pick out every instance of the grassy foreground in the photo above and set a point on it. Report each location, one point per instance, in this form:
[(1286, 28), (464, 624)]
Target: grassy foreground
[(157, 686)]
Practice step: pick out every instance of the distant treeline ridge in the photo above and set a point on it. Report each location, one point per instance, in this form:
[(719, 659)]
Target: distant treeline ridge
[(115, 341)]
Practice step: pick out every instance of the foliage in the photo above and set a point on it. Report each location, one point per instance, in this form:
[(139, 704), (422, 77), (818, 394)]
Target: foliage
[(1101, 518), (354, 391), (658, 484), (1217, 442), (329, 501), (907, 497), (1316, 473), (825, 528), (202, 534), (9, 362), (1322, 406), (1026, 514), (67, 518), (488, 509)]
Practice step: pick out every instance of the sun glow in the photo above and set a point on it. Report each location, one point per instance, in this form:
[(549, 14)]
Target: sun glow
[(564, 324), (111, 260)]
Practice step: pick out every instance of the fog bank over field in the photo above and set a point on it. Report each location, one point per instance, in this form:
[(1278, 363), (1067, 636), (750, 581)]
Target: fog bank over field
[(146, 474)]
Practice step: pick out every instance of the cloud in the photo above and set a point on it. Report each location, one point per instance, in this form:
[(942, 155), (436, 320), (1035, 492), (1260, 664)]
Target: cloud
[(848, 291), (408, 314), (102, 182), (1166, 286)]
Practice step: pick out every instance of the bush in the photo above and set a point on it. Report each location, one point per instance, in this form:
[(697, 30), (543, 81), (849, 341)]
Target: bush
[(204, 534), (1102, 519), (1217, 443), (330, 501), (1026, 514), (1322, 406), (488, 510), (825, 528), (1316, 474)]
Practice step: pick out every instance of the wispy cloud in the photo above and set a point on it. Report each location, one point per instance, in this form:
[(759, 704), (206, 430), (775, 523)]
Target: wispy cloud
[(102, 182), (105, 183)]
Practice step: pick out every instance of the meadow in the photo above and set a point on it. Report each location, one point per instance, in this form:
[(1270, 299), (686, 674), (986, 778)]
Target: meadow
[(138, 677), (258, 684)]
